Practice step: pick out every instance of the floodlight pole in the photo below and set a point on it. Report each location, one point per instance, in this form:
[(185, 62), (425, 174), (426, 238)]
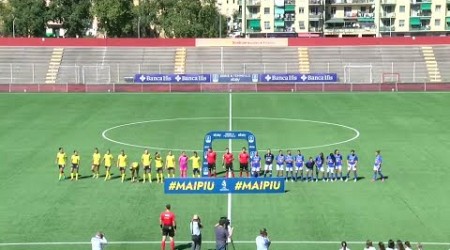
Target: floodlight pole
[(14, 27), (139, 27)]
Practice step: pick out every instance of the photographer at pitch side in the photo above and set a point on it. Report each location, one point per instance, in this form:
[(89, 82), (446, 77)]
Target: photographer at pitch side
[(196, 233), (223, 232), (99, 241), (262, 240)]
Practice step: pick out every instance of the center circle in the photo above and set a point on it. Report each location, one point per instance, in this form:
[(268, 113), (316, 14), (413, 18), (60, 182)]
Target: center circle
[(257, 126)]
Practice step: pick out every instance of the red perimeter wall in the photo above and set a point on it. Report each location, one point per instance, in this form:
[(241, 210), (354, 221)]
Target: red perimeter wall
[(146, 42)]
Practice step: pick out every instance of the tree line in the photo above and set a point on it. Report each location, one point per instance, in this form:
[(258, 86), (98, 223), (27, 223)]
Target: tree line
[(116, 18)]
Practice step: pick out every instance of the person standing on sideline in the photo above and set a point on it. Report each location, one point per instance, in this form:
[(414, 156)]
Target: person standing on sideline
[(330, 167), (309, 169), (352, 161), (377, 166), (344, 246), (338, 164), (61, 159), (256, 165), (408, 245), (211, 157), (268, 161), (227, 163), (75, 159), (262, 240), (196, 232), (243, 162), (369, 245), (223, 235), (122, 162), (95, 168), (299, 160), (168, 227), (280, 163), (170, 164), (99, 241), (319, 166), (183, 164), (195, 164), (107, 160), (289, 159), (146, 160)]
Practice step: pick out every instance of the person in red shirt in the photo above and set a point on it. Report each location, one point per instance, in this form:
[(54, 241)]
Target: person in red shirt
[(243, 162), (168, 227), (211, 159), (227, 162)]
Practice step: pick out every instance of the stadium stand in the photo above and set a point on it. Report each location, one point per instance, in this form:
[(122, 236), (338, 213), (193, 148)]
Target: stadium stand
[(442, 54), (115, 64), (111, 65), (24, 65), (242, 60)]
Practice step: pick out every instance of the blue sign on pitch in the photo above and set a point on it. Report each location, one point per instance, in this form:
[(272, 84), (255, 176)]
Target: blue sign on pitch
[(172, 78), (224, 186), (226, 135), (295, 78)]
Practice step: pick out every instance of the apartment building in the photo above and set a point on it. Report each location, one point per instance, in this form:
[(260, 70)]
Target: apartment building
[(341, 18)]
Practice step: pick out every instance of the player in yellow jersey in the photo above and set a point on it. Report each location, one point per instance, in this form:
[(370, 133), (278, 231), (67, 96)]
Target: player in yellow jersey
[(75, 160), (159, 167), (107, 161), (195, 159), (146, 160), (134, 168), (60, 161), (170, 164), (96, 158), (122, 162)]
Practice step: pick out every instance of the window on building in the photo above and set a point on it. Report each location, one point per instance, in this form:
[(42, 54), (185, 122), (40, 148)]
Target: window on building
[(266, 10), (438, 8), (333, 10), (401, 23), (402, 9), (437, 22), (267, 25), (363, 9), (348, 12), (301, 25), (301, 10)]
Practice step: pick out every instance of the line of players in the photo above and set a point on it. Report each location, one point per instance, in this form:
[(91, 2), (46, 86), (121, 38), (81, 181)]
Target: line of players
[(294, 164), (122, 163)]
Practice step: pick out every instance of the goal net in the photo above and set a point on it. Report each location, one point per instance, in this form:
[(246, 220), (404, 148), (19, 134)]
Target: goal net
[(100, 74), (390, 77), (358, 73)]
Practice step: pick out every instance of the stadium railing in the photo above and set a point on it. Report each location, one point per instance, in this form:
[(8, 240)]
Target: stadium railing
[(379, 72), (220, 87)]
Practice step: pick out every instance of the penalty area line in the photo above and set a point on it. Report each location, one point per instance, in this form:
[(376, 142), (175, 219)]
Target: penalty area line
[(206, 242)]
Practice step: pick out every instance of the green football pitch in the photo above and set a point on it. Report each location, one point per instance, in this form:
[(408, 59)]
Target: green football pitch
[(411, 129)]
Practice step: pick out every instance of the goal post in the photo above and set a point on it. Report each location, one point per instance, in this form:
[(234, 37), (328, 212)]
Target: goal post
[(358, 73), (390, 77)]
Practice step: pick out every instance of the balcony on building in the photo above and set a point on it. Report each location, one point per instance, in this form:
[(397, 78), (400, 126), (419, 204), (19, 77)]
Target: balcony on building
[(249, 2), (417, 24), (341, 26), (254, 25), (388, 15), (351, 2), (388, 2), (387, 28), (315, 16), (318, 2), (289, 6), (447, 23)]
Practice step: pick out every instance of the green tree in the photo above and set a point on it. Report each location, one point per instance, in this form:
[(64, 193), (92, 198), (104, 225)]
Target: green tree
[(74, 15), (29, 17), (145, 19), (115, 17)]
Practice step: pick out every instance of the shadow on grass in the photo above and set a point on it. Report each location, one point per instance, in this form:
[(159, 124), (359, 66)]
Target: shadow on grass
[(184, 246)]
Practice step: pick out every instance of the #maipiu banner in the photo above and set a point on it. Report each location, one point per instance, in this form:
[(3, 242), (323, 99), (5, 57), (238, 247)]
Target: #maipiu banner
[(224, 185)]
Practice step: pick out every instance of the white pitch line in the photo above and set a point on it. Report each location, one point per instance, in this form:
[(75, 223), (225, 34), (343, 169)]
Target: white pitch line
[(300, 242), (104, 133)]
